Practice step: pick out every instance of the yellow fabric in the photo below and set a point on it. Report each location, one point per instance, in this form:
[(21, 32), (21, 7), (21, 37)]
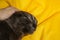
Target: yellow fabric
[(3, 4), (47, 13)]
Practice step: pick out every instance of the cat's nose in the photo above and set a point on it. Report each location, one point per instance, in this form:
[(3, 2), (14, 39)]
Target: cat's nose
[(31, 29)]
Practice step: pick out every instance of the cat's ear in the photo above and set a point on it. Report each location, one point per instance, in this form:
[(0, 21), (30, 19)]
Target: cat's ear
[(7, 12)]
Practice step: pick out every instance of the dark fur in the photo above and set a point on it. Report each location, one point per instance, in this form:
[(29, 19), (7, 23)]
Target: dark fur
[(18, 25)]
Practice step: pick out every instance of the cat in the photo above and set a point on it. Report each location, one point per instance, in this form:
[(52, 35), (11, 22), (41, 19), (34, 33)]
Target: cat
[(19, 24)]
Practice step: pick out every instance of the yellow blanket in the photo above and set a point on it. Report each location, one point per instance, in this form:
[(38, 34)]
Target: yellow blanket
[(47, 13)]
